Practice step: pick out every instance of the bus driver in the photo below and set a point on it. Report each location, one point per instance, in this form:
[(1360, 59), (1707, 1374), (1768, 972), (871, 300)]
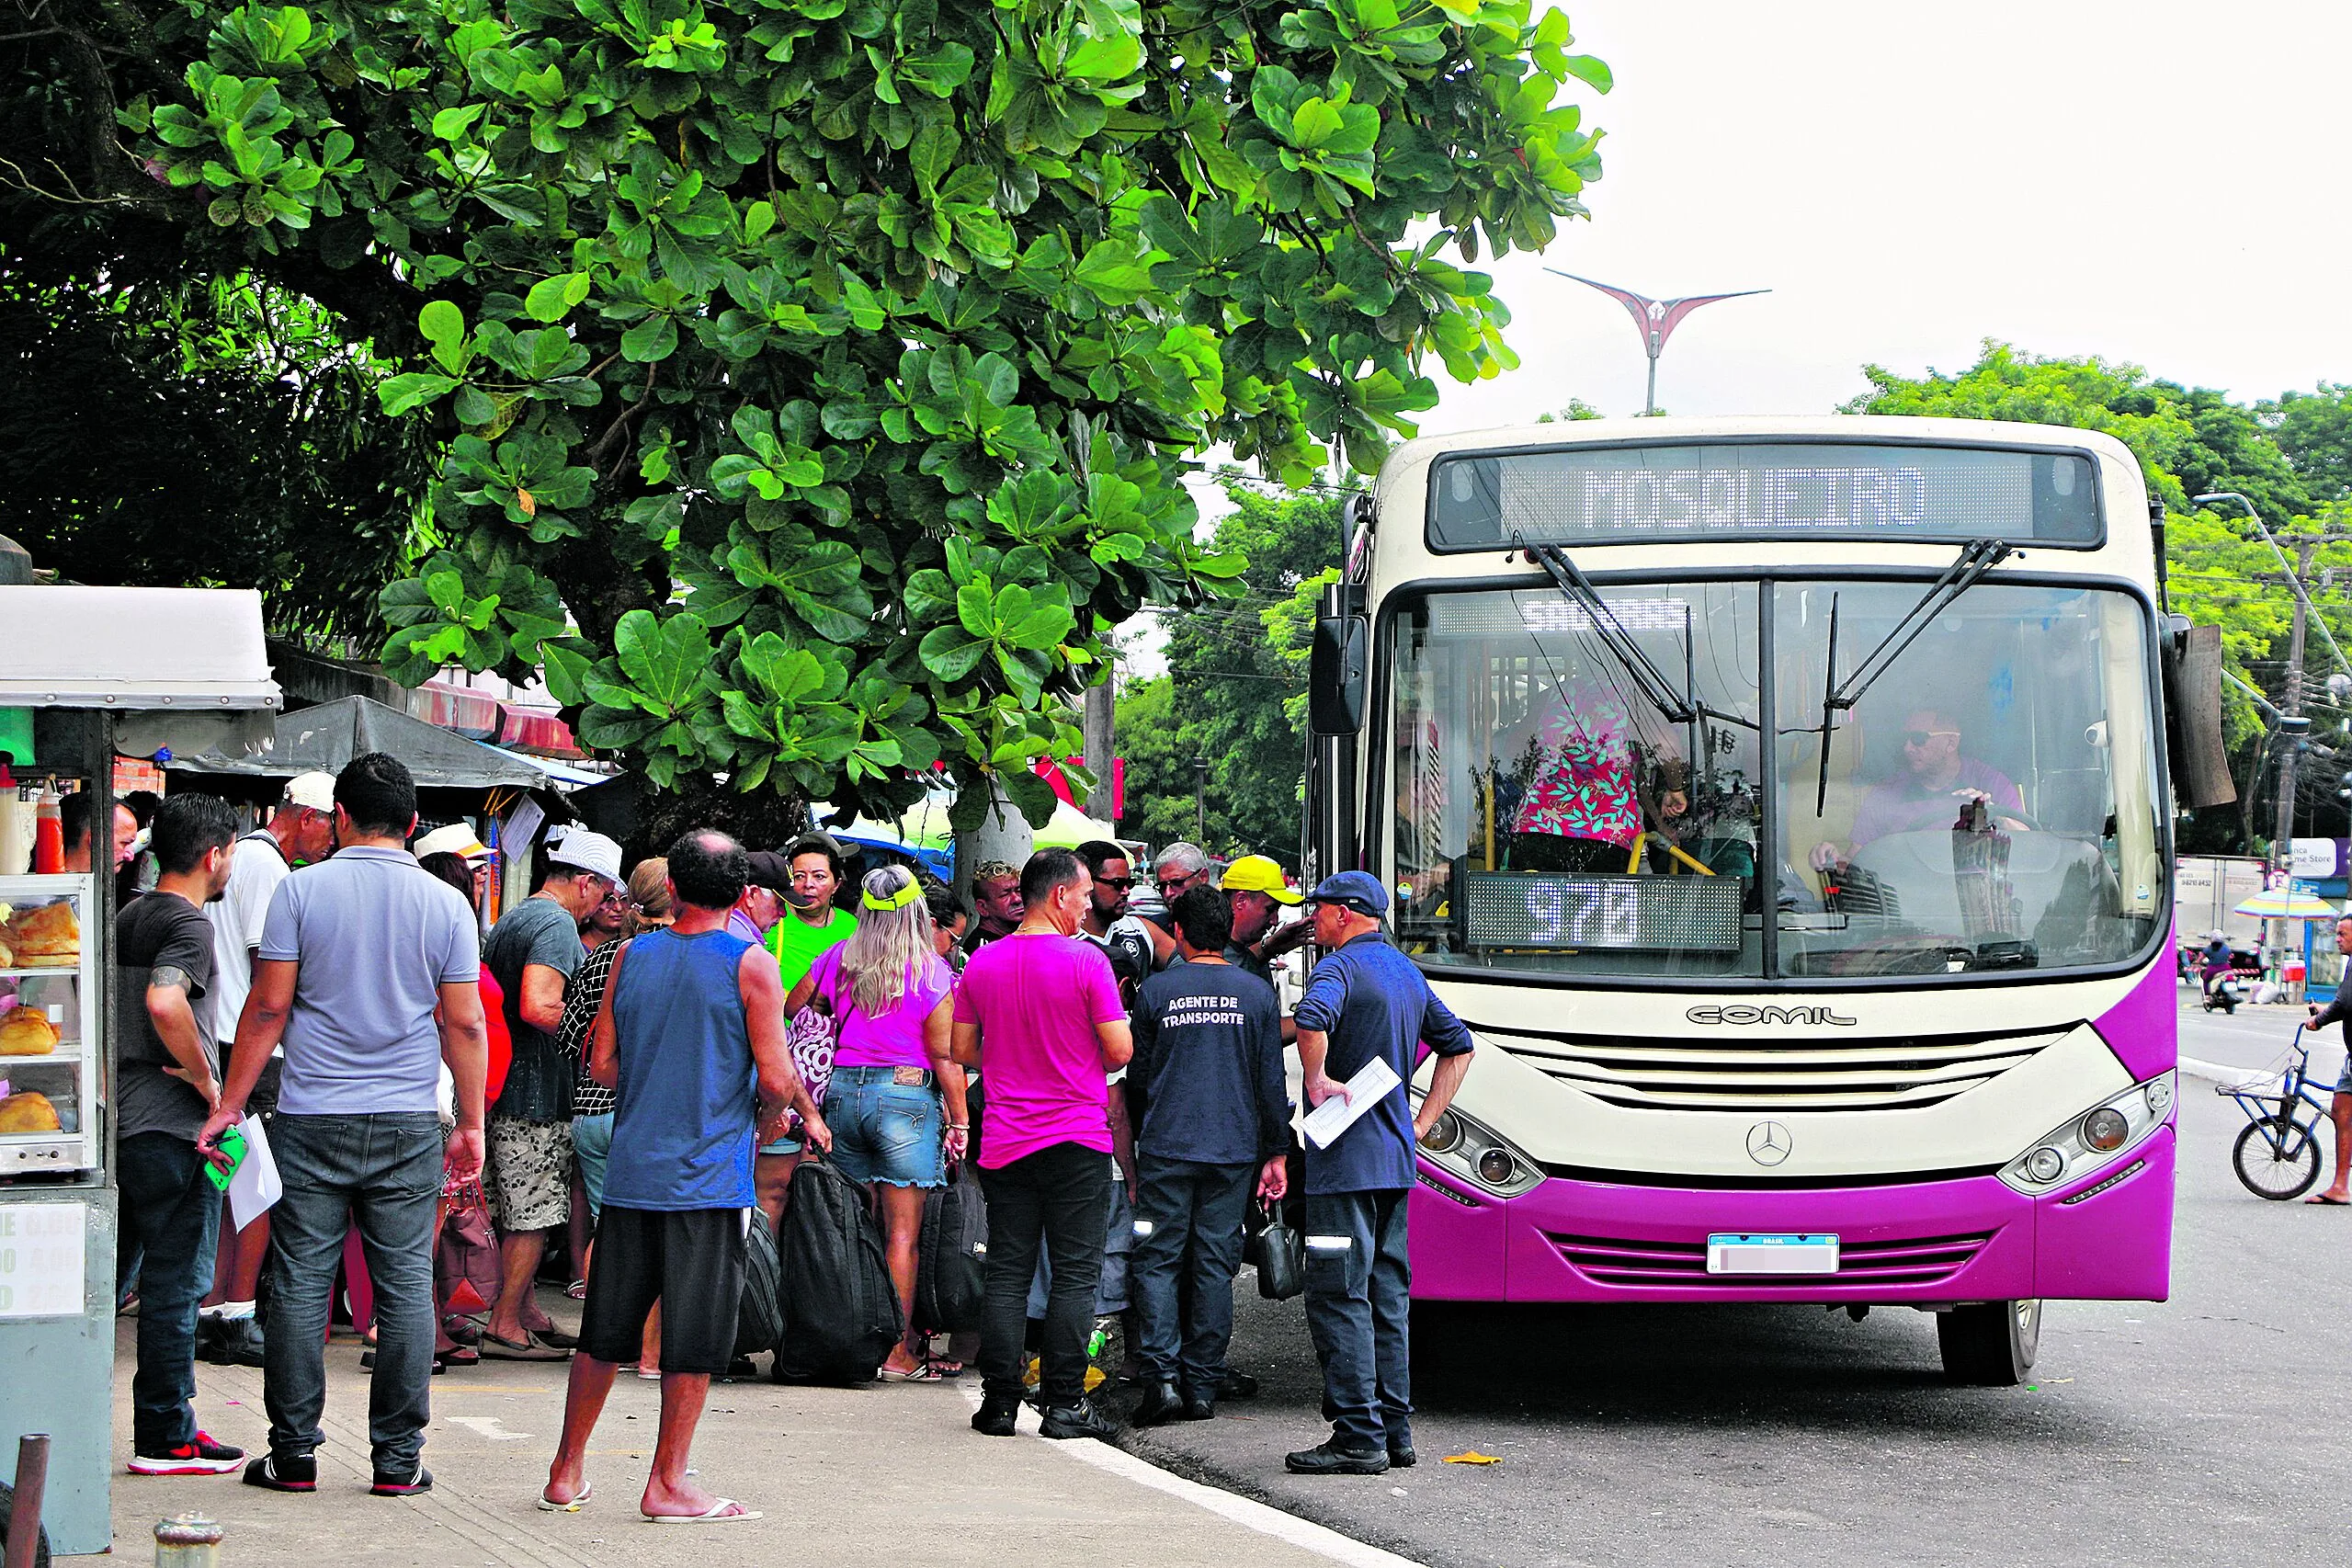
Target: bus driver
[(1936, 779)]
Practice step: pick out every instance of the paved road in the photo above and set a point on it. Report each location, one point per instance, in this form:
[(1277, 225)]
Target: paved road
[(2209, 1429)]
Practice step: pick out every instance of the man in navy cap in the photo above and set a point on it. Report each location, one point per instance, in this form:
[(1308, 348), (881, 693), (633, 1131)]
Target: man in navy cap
[(1365, 1000)]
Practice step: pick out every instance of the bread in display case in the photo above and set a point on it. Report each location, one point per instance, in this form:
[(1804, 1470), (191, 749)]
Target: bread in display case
[(51, 1064)]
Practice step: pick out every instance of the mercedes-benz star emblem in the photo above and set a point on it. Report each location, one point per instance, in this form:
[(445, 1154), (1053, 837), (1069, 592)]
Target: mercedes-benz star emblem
[(1768, 1142)]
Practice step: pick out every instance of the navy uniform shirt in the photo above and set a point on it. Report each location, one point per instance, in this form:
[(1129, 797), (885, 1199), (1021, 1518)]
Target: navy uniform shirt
[(1208, 1059), (1370, 1000)]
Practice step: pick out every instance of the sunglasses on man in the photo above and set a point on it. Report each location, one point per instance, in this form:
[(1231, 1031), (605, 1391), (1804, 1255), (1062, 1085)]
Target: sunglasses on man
[(1921, 737)]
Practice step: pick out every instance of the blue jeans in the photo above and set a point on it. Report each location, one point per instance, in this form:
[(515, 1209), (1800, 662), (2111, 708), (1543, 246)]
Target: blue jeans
[(383, 1171), (591, 1154), (1187, 1220), (172, 1214), (1359, 1286), (885, 1131)]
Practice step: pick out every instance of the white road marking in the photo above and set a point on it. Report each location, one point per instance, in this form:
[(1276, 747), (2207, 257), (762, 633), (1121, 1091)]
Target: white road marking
[(488, 1426), (1301, 1533)]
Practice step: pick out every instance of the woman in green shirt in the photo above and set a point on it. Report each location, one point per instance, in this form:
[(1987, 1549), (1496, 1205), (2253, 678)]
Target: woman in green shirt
[(808, 927)]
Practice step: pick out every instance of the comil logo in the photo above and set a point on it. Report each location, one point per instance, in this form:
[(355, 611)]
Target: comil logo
[(1741, 1016)]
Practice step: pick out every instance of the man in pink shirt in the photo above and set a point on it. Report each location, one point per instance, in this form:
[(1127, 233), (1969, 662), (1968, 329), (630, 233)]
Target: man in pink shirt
[(1038, 1012)]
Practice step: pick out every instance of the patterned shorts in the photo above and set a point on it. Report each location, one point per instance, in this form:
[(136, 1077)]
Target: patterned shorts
[(530, 1174)]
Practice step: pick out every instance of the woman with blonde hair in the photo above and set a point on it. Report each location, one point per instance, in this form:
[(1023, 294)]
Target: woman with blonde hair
[(896, 1103)]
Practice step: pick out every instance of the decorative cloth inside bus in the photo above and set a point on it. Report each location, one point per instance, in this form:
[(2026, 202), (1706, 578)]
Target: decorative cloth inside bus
[(1786, 490)]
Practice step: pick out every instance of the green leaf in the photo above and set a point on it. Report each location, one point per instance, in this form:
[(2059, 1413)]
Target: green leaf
[(950, 652), (663, 659), (552, 298), (1595, 73), (402, 392), (654, 338)]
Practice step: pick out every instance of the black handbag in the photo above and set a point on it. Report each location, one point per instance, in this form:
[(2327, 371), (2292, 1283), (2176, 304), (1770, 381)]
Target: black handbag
[(1281, 1258)]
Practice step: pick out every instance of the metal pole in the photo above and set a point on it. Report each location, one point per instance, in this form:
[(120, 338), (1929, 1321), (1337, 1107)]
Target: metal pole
[(2292, 707), (1200, 802), (32, 1459), (1650, 398)]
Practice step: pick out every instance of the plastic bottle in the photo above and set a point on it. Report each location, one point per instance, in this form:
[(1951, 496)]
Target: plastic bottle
[(49, 836), (15, 831)]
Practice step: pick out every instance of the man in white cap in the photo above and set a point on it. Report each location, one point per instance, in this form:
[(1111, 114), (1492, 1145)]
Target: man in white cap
[(300, 833), (533, 953)]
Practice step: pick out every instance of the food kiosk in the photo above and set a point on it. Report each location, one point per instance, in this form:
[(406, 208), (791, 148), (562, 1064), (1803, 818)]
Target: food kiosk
[(103, 673)]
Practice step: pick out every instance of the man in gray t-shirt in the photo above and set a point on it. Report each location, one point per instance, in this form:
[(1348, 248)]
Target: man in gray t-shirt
[(533, 953), (367, 973)]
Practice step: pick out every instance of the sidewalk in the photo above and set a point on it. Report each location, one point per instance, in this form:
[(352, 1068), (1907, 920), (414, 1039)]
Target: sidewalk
[(878, 1475)]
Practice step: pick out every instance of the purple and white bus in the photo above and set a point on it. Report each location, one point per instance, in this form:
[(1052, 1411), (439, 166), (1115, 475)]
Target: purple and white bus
[(1784, 804)]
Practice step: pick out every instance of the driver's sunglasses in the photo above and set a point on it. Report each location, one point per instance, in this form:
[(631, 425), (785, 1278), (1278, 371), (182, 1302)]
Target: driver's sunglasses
[(1122, 884), (1921, 737)]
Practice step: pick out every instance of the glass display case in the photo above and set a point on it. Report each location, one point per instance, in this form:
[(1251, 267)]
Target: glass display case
[(51, 1062)]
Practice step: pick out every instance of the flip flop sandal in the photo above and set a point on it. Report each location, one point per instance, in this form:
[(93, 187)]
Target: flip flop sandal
[(2324, 1202), (716, 1514), (926, 1373), (557, 1337), (549, 1505), (577, 1290), (498, 1348)]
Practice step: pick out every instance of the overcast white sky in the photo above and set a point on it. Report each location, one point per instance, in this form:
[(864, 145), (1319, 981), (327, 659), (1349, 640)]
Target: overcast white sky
[(2157, 182)]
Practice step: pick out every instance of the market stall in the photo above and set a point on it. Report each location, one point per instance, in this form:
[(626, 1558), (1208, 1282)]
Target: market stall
[(103, 673)]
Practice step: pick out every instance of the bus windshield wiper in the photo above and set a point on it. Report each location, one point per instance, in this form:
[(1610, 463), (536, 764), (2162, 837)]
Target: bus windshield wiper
[(1678, 707), (1976, 559)]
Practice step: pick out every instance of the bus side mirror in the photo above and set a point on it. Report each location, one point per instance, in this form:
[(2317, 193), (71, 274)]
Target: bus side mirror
[(2200, 758), (1335, 674)]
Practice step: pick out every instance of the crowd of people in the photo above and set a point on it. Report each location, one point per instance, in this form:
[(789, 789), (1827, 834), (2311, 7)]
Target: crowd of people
[(630, 1068)]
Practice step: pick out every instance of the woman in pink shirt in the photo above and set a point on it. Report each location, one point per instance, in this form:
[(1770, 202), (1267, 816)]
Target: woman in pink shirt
[(896, 1103)]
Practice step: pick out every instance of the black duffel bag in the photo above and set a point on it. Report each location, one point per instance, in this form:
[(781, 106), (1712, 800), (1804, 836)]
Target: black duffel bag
[(1280, 1254), (841, 1312), (951, 1260), (760, 1319)]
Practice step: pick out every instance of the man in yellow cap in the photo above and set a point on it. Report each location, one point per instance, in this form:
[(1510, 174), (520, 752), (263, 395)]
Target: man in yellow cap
[(1259, 892)]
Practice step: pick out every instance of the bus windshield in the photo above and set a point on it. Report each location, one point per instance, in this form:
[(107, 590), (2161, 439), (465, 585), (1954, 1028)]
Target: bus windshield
[(1579, 785)]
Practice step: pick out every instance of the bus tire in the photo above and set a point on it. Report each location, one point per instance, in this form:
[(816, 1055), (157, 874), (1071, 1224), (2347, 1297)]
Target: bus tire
[(1990, 1344), (7, 1515)]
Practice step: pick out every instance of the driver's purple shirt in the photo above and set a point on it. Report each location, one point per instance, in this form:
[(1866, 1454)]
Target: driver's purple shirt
[(1903, 805)]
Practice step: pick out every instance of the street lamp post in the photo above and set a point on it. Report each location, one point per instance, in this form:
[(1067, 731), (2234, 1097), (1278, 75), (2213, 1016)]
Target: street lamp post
[(1656, 320)]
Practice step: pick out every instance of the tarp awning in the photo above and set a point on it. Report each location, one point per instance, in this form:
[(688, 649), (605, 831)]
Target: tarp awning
[(186, 649), (325, 737)]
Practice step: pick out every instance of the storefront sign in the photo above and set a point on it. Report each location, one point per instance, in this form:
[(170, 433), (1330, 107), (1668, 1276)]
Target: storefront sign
[(41, 1247), (2317, 859)]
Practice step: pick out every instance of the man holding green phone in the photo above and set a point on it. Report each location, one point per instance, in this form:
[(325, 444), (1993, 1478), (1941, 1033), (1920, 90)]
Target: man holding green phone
[(168, 1082)]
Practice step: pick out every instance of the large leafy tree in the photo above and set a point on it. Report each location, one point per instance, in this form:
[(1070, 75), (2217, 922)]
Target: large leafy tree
[(813, 377), (2190, 442)]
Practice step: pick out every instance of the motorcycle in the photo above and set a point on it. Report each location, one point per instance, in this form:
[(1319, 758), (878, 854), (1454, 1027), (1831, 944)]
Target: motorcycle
[(2224, 994)]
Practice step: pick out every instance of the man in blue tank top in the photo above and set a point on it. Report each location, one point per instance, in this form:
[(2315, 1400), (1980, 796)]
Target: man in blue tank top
[(690, 1015)]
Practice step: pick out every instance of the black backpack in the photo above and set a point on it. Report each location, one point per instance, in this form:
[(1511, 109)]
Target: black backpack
[(841, 1315), (760, 1319), (951, 1260)]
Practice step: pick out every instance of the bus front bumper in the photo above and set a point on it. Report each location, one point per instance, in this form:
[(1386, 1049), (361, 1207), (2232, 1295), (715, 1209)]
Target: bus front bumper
[(2106, 1236)]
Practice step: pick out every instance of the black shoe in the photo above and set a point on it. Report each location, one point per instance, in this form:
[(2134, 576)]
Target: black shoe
[(1160, 1402), (229, 1342), (1236, 1385), (996, 1415), (1402, 1456), (401, 1484), (368, 1362), (1079, 1420), (278, 1473), (1330, 1459), (1200, 1407)]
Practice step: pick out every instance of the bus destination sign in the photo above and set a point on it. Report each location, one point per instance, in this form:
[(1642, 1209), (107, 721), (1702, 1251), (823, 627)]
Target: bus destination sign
[(1812, 490)]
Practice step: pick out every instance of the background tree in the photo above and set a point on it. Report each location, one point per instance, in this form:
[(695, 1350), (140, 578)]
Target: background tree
[(2314, 429), (204, 433), (813, 377), (1231, 688)]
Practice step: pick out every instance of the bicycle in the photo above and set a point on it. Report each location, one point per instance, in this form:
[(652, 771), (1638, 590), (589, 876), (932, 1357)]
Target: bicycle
[(2277, 1156)]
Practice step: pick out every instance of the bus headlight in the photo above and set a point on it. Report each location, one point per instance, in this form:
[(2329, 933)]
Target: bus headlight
[(2092, 1138), (1474, 1154)]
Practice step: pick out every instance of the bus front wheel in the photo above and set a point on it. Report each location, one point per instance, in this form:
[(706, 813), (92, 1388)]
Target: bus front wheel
[(1989, 1345)]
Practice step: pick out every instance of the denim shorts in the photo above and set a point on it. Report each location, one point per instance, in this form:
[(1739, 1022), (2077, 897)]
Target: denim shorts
[(591, 1152), (884, 1131)]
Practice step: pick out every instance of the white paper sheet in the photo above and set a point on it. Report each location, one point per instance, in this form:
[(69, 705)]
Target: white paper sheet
[(255, 1185), (1324, 1124)]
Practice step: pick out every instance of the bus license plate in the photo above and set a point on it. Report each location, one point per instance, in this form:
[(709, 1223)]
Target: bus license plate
[(1743, 1253)]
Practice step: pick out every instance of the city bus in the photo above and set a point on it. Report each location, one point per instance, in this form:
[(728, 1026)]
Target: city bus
[(1786, 807)]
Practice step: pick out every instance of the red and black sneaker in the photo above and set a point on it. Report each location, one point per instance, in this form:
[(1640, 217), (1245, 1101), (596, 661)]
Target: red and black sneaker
[(281, 1473), (200, 1457)]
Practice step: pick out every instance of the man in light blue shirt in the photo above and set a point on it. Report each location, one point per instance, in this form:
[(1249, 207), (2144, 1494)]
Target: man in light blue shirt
[(357, 954)]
